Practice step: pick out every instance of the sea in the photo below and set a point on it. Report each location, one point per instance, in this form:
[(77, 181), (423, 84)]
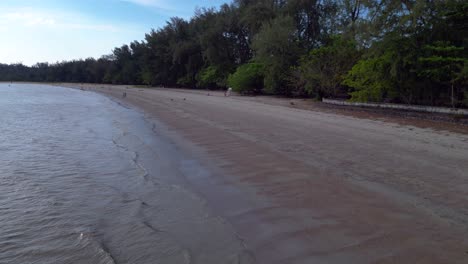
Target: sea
[(85, 179)]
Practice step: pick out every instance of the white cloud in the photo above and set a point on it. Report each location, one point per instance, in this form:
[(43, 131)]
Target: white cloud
[(27, 18), (162, 4), (53, 35), (57, 20)]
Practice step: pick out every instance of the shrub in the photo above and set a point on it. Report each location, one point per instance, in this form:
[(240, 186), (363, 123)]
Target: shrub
[(248, 78), (211, 77), (185, 81), (369, 79), (321, 72)]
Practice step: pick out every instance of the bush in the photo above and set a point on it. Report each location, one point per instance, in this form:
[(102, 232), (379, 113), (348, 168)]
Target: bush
[(211, 77), (185, 81), (248, 78), (370, 79), (321, 72)]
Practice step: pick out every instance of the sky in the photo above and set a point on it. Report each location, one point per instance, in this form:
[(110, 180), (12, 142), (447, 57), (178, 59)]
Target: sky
[(55, 30)]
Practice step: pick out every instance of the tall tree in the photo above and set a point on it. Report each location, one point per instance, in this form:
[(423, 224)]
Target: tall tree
[(277, 48)]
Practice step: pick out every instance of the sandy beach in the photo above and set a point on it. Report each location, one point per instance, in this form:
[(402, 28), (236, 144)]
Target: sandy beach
[(312, 186)]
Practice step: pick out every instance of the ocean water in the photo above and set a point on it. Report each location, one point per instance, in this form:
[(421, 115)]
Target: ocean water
[(84, 179)]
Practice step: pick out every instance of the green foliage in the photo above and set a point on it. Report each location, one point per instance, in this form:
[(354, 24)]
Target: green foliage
[(462, 76), (276, 47), (185, 81), (369, 80), (146, 77), (443, 62), (396, 70), (322, 71), (463, 100), (248, 78), (391, 51), (211, 77)]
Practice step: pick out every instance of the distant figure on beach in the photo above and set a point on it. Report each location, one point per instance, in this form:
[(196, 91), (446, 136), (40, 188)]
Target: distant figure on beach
[(124, 95), (228, 92)]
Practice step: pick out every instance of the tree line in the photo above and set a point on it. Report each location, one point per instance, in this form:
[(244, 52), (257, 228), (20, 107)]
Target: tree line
[(407, 51)]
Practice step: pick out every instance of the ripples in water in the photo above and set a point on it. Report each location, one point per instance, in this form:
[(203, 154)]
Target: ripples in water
[(84, 180)]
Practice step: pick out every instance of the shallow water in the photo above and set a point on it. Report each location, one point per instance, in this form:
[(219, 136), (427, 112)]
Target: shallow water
[(86, 180)]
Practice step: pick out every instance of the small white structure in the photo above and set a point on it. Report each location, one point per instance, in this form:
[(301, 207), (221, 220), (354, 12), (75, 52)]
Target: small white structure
[(228, 92)]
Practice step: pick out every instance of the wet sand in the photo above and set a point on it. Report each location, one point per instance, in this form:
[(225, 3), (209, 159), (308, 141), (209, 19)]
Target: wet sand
[(302, 186)]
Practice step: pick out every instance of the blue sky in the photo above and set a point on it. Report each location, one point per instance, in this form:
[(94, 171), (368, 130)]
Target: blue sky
[(55, 30)]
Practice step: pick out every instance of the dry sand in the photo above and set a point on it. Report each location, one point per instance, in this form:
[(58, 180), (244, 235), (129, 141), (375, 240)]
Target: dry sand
[(303, 186)]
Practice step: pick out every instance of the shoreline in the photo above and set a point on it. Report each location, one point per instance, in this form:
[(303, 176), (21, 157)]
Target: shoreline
[(295, 200), (436, 121), (107, 188)]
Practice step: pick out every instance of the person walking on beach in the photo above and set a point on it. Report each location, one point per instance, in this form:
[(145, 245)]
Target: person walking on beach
[(228, 92)]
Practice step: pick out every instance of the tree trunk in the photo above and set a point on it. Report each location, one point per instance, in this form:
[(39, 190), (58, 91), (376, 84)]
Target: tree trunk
[(453, 103)]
